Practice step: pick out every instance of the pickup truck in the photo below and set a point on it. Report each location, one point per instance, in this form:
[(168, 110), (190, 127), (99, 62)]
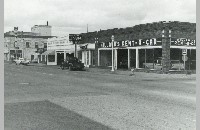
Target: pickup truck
[(21, 61)]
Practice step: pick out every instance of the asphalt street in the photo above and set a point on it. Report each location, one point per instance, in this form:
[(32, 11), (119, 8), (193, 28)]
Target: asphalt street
[(48, 98)]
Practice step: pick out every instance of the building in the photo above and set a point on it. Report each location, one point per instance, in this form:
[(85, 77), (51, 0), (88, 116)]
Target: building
[(61, 48), (145, 44), (87, 52), (42, 30), (58, 49), (23, 44)]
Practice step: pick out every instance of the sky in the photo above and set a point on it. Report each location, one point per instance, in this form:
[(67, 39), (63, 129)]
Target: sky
[(73, 16)]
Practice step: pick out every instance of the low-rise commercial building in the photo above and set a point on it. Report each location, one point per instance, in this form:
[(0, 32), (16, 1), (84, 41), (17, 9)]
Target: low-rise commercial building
[(144, 45), (19, 44)]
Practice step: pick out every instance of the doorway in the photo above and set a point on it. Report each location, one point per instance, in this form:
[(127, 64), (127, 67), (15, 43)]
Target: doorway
[(122, 59), (60, 58)]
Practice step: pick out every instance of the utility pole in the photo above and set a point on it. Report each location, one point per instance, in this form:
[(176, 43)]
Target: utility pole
[(87, 28)]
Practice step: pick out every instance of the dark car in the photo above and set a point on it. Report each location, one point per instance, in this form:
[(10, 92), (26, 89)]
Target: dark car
[(72, 63)]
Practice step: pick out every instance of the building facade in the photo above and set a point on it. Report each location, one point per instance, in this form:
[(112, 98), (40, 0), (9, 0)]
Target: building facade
[(61, 48), (146, 45), (58, 49), (19, 44)]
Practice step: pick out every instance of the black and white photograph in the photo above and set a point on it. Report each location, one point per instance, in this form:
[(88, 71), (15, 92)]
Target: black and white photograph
[(99, 65)]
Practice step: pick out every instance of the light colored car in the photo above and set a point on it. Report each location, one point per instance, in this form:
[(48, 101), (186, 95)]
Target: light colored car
[(21, 61)]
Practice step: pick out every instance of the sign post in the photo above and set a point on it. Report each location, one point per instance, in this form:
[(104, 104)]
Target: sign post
[(75, 38), (184, 57)]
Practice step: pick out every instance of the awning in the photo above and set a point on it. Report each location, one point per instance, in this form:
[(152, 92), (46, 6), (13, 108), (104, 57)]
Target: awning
[(49, 52)]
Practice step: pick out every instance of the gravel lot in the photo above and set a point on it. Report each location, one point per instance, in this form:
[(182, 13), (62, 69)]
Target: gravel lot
[(47, 98)]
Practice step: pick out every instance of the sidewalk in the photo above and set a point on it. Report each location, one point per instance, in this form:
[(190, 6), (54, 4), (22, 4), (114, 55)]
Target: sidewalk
[(142, 75)]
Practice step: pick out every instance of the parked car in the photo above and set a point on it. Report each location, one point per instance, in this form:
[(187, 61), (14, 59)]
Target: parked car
[(34, 61), (72, 64), (21, 61)]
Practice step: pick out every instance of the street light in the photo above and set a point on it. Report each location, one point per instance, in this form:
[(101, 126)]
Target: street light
[(112, 38)]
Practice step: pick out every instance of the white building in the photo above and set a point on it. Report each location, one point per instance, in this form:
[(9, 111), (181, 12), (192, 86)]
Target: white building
[(61, 48), (41, 30), (58, 49)]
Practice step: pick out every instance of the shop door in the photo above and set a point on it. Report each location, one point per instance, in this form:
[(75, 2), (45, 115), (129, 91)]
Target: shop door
[(32, 57), (122, 59), (60, 58)]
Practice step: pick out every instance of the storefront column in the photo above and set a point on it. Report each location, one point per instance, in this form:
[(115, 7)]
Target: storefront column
[(115, 59), (137, 58), (89, 58), (83, 57), (64, 55), (56, 58), (145, 60), (46, 59), (128, 58), (98, 58)]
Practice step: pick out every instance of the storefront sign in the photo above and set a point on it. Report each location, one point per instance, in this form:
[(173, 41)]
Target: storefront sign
[(133, 43), (75, 37), (183, 42), (148, 42)]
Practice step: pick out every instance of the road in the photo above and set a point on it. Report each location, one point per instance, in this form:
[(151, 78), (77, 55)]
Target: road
[(47, 98)]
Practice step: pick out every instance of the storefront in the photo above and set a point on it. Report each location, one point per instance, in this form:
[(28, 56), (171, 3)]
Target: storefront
[(15, 54), (147, 53), (87, 54)]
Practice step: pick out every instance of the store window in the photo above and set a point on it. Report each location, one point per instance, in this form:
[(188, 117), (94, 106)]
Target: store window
[(51, 58)]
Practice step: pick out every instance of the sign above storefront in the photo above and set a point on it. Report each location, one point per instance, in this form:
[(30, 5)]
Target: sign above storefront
[(183, 42), (132, 43), (148, 42), (75, 37)]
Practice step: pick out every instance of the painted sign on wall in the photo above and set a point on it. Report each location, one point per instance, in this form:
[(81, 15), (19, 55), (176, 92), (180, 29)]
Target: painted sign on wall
[(132, 43), (148, 42), (183, 42)]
